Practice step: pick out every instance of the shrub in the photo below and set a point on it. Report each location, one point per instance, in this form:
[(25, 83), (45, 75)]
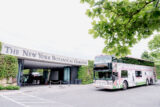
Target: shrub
[(10, 87), (2, 87), (8, 66), (85, 73), (158, 71)]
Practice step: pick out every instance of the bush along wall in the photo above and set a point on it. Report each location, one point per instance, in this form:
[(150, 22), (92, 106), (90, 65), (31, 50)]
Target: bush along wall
[(85, 73), (158, 71), (8, 70)]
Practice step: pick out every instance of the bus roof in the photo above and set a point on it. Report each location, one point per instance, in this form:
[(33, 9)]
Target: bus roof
[(139, 59), (126, 57), (130, 60)]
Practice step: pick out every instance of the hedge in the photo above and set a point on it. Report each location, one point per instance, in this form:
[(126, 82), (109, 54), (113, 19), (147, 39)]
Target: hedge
[(85, 73), (8, 66), (158, 71), (9, 87)]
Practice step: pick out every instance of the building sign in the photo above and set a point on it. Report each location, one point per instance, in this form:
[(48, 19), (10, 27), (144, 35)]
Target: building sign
[(23, 53)]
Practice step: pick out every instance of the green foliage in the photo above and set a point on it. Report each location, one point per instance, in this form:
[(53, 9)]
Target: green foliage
[(9, 87), (154, 54), (40, 71), (8, 66), (154, 44), (85, 73), (2, 87), (145, 55), (154, 47), (123, 23), (158, 71), (26, 71)]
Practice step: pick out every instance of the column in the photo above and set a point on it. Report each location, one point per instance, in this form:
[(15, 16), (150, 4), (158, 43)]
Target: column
[(74, 74), (20, 68)]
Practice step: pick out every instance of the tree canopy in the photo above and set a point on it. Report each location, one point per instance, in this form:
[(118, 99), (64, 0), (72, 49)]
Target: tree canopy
[(123, 23), (146, 55), (154, 47)]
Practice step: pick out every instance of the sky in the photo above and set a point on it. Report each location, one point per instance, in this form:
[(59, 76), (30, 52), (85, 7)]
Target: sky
[(54, 26)]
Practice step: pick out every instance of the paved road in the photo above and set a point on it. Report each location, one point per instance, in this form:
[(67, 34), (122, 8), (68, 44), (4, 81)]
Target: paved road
[(81, 96)]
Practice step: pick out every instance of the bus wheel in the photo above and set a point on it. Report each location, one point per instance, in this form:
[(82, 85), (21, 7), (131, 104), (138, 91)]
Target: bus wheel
[(147, 82), (151, 82), (125, 86)]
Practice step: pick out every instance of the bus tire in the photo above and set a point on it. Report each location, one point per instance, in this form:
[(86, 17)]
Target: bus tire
[(147, 82), (151, 82), (125, 85)]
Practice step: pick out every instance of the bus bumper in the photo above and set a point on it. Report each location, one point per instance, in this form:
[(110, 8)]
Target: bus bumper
[(103, 84)]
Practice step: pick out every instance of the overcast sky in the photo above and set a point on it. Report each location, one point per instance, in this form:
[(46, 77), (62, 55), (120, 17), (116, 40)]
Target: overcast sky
[(53, 26)]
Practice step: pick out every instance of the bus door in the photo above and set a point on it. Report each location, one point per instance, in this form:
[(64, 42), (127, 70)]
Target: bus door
[(139, 78), (131, 78)]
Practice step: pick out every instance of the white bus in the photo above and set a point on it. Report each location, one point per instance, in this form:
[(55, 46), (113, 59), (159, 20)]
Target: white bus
[(113, 73)]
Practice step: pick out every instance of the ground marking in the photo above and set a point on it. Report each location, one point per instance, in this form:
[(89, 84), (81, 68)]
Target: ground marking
[(11, 97)]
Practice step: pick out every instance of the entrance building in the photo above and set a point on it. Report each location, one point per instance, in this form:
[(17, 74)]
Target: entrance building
[(56, 69)]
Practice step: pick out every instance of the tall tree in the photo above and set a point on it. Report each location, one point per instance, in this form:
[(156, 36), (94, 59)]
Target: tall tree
[(146, 55), (123, 23), (154, 46)]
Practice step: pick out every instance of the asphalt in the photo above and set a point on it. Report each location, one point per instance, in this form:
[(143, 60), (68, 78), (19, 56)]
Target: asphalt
[(81, 96)]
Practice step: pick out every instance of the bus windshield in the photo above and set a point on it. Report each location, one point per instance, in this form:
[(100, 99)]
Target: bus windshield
[(103, 76), (103, 59)]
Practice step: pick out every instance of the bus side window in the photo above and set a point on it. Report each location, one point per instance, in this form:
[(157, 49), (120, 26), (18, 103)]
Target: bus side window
[(124, 74), (138, 73)]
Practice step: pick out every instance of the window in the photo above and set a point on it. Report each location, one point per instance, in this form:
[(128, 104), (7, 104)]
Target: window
[(138, 73), (115, 76), (104, 75), (124, 74)]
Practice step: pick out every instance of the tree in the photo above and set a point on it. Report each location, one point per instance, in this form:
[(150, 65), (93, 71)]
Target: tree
[(154, 47), (154, 54), (123, 23), (146, 55)]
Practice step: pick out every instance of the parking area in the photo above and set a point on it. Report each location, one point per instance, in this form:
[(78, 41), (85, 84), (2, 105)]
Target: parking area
[(80, 96)]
